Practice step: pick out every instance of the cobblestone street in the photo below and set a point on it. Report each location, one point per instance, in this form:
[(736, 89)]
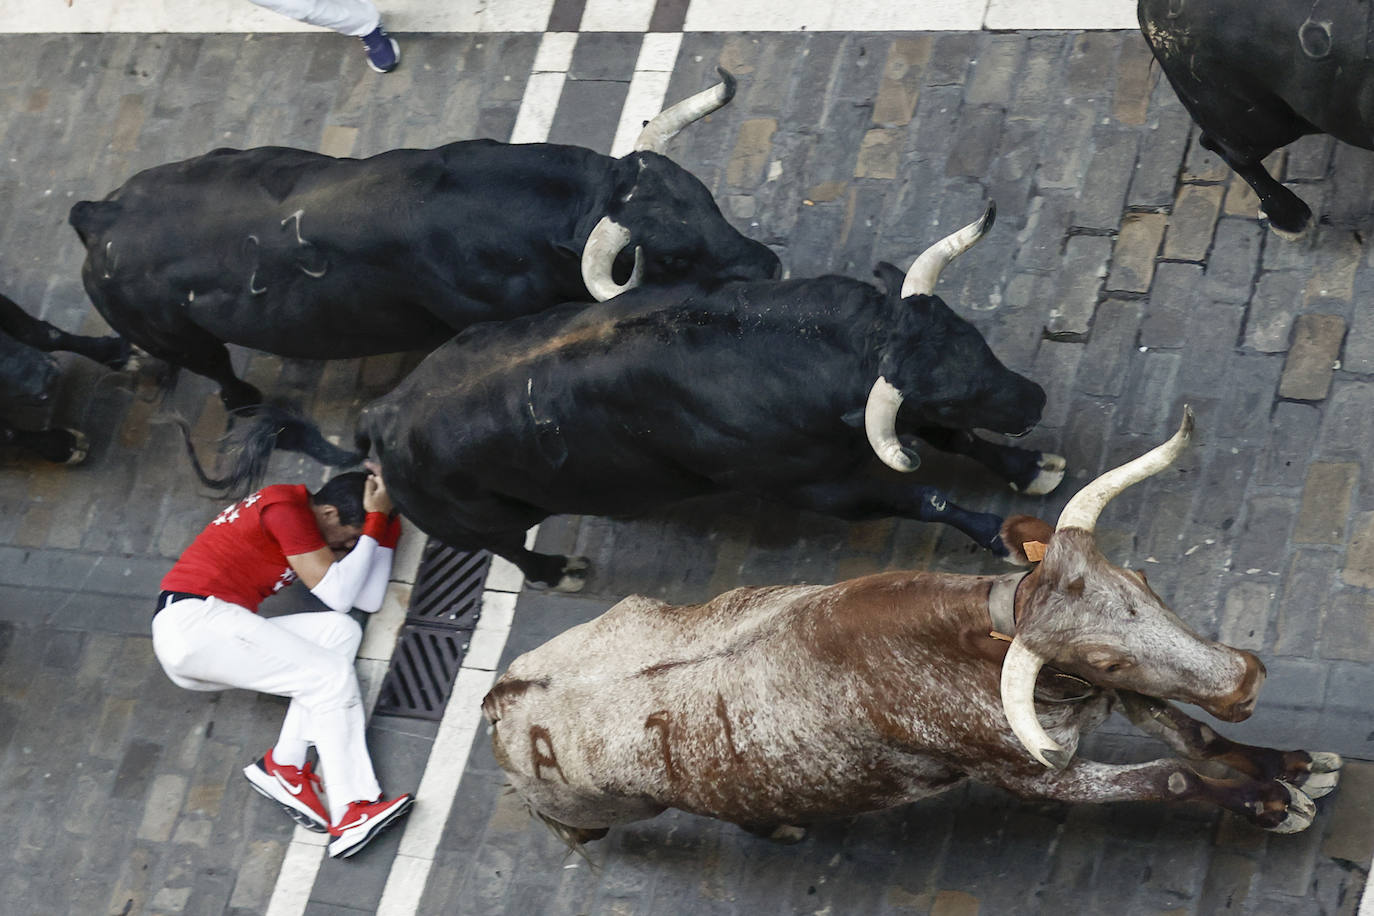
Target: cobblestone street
[(1126, 273)]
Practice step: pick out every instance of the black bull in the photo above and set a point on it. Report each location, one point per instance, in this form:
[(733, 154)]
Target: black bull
[(659, 395), (1257, 76), (306, 255), (28, 375)]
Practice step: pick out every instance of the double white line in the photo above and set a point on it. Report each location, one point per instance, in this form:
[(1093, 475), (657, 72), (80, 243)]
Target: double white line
[(463, 715)]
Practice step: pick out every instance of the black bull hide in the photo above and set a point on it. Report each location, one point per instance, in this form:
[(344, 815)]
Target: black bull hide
[(306, 255), (1257, 76), (660, 395)]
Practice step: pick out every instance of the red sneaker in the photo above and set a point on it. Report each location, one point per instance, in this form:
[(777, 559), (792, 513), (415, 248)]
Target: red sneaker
[(364, 820), (297, 790)]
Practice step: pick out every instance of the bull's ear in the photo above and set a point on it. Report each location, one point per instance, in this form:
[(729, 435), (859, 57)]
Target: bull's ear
[(1026, 537), (890, 277), (630, 177)]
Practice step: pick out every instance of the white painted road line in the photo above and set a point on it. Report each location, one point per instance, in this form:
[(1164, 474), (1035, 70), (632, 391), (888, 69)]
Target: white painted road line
[(468, 16), (545, 88), (648, 86), (617, 15), (448, 758), (306, 852)]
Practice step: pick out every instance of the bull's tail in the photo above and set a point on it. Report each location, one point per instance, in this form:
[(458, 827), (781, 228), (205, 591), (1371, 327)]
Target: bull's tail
[(92, 217), (248, 446)]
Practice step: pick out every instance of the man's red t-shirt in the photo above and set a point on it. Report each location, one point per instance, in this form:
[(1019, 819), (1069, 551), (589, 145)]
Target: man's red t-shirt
[(241, 555)]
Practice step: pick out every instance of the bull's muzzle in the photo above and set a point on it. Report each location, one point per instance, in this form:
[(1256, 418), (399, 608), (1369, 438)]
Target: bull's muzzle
[(1240, 703)]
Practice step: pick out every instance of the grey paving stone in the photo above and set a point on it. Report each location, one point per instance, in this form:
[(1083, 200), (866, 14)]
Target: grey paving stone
[(588, 112), (1161, 153), (1231, 268), (1347, 427), (1347, 627), (605, 56), (1313, 357), (1036, 93), (1299, 621)]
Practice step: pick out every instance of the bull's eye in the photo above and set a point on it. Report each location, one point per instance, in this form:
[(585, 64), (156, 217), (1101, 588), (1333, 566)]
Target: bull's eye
[(1107, 661)]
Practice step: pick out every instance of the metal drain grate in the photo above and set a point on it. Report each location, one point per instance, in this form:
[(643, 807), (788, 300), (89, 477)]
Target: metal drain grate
[(444, 606)]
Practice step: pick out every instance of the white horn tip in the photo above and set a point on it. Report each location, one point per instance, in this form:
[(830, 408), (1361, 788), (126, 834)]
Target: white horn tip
[(1185, 429), (1056, 758), (989, 217), (900, 459)]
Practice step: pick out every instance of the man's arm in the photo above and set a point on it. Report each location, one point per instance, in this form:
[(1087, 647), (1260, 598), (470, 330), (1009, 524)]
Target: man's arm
[(338, 582)]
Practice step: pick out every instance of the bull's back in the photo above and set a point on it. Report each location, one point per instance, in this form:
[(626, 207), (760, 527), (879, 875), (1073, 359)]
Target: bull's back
[(314, 256), (655, 396), (731, 709), (1268, 71)]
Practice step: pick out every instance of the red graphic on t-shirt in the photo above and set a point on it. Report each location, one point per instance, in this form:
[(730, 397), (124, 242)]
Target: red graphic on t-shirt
[(241, 555)]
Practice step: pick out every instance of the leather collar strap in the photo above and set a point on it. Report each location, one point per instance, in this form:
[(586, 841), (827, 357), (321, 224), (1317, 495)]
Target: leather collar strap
[(1002, 602)]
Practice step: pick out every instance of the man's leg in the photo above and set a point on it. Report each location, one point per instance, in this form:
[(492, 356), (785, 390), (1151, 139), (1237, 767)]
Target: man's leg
[(338, 736), (204, 643), (350, 17), (213, 644)]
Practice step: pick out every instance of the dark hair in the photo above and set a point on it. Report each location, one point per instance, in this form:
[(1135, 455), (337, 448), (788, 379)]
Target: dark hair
[(345, 493)]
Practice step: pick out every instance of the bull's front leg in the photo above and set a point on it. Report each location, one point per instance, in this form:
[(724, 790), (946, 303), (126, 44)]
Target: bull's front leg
[(1315, 773), (1270, 804), (112, 351), (864, 497), (1028, 471)]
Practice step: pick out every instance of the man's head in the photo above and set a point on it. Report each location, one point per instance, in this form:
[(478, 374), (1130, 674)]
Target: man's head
[(338, 508)]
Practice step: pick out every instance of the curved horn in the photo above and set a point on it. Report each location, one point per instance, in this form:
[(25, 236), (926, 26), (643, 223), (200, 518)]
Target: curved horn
[(925, 270), (1087, 504), (880, 423), (607, 240), (665, 125), (1019, 671)]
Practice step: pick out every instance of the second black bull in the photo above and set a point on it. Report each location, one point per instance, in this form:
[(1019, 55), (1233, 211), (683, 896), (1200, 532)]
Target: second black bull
[(309, 256), (780, 389)]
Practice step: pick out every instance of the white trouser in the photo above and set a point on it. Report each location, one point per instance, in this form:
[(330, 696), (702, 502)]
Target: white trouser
[(213, 645), (351, 17)]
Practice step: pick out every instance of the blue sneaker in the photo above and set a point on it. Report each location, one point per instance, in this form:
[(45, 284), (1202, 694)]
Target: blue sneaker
[(383, 54)]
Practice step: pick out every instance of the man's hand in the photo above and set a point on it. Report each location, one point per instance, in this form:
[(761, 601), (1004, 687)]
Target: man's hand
[(375, 496)]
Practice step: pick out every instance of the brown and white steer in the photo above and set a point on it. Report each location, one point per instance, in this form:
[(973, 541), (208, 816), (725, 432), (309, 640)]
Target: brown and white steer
[(773, 707)]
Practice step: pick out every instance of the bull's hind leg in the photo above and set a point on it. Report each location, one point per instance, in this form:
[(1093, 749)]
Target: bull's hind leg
[(112, 351), (193, 349), (1270, 804), (1316, 773), (1288, 215), (436, 518), (561, 573), (1030, 472), (58, 445)]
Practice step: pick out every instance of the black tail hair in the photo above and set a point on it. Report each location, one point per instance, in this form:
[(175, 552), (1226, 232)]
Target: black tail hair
[(249, 444)]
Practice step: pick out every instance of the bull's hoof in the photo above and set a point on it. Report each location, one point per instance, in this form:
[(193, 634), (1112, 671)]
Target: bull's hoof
[(782, 834), (81, 447), (1050, 475), (1324, 775), (1299, 812), (63, 446), (787, 834), (574, 577), (133, 359), (1289, 234)]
